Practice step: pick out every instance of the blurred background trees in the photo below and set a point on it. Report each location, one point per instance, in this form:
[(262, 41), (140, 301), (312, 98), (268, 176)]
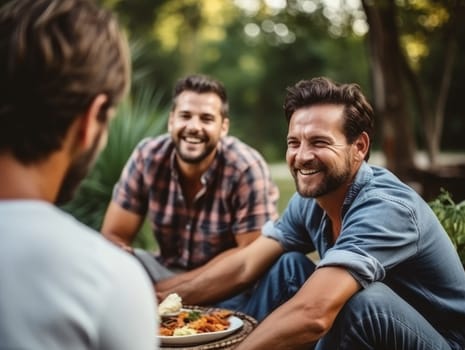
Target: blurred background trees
[(405, 54)]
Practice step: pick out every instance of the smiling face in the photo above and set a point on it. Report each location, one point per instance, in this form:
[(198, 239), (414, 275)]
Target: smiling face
[(196, 125), (318, 156)]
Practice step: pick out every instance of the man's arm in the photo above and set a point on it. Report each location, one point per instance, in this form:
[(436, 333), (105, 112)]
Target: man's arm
[(227, 276), (242, 241), (308, 315), (121, 226)]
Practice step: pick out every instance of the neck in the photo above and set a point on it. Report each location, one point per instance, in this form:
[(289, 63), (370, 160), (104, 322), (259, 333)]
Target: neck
[(194, 171), (35, 181), (332, 204), (190, 176)]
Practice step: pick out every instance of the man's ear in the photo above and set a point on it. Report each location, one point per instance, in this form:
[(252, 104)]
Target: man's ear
[(170, 121), (90, 123), (224, 127), (362, 145)]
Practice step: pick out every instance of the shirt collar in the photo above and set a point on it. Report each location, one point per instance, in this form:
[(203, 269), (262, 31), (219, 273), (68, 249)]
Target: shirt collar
[(363, 176), (208, 175)]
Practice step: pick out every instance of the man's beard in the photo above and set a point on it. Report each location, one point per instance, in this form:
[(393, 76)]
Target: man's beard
[(77, 171), (190, 159), (331, 182)]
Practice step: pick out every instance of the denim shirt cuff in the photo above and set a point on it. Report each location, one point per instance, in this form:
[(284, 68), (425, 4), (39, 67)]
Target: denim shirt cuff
[(365, 269)]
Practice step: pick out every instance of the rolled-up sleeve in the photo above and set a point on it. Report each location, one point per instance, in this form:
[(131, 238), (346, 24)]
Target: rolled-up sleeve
[(364, 268), (378, 233)]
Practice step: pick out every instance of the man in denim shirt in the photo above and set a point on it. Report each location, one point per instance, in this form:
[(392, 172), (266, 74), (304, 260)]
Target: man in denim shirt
[(388, 278)]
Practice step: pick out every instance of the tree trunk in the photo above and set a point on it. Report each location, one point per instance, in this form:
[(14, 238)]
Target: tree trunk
[(387, 59), (434, 134)]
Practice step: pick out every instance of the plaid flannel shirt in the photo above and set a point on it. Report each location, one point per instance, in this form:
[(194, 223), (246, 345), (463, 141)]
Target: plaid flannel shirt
[(238, 196)]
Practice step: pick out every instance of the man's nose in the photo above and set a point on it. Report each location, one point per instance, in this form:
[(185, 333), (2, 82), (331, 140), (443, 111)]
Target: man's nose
[(193, 123), (304, 153)]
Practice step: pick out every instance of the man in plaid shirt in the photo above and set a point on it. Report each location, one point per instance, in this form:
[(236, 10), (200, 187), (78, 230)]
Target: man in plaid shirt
[(204, 193)]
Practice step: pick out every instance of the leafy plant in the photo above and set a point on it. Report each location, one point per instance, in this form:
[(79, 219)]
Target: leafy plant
[(452, 217), (136, 119)]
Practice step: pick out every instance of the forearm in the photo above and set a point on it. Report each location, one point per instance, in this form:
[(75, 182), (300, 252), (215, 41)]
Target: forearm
[(172, 282), (285, 328), (120, 226), (209, 285), (307, 316), (229, 274)]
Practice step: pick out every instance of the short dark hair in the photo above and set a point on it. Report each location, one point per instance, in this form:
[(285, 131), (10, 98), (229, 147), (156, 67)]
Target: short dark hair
[(202, 84), (56, 56), (358, 113)]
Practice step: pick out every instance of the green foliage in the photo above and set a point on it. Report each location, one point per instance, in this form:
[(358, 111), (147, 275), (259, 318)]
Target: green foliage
[(286, 190), (135, 120), (452, 217)]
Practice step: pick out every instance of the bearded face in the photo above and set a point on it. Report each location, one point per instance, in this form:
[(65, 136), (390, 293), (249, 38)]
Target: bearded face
[(318, 156), (196, 126)]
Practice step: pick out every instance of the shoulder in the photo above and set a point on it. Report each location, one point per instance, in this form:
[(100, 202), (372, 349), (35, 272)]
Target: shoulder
[(66, 241), (81, 273), (92, 259), (237, 153), (385, 198), (303, 209), (383, 185), (152, 153), (155, 145)]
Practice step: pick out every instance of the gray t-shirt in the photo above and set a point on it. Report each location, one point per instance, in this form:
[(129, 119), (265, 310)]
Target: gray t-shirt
[(63, 286)]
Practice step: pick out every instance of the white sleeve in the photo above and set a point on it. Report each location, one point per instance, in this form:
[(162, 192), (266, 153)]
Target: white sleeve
[(130, 319)]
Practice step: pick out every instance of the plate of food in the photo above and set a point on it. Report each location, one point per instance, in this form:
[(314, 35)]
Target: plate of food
[(186, 326), (195, 327)]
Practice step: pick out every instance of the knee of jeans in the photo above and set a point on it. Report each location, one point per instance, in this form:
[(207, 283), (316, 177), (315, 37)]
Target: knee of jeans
[(294, 263), (292, 259), (371, 298)]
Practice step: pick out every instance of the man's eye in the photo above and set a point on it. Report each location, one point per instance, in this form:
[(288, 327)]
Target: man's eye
[(292, 144), (320, 143), (208, 119)]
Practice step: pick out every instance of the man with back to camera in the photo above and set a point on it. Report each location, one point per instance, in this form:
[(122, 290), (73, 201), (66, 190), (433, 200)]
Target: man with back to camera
[(64, 67), (206, 194), (389, 276)]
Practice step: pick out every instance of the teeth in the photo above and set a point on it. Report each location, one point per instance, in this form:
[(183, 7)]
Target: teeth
[(307, 172), (193, 139)]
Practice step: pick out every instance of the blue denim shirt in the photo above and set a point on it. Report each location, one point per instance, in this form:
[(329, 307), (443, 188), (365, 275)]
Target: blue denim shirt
[(389, 234)]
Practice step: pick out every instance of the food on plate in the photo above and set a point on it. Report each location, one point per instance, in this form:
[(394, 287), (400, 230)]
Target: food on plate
[(194, 322), (185, 330), (170, 305)]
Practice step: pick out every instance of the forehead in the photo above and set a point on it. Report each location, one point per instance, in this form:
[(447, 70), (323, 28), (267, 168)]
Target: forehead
[(193, 102), (322, 119)]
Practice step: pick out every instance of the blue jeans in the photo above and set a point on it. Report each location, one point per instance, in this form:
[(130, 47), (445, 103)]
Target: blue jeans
[(374, 318), (277, 286), (377, 318)]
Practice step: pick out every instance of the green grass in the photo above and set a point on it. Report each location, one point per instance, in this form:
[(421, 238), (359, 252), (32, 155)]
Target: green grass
[(286, 190)]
